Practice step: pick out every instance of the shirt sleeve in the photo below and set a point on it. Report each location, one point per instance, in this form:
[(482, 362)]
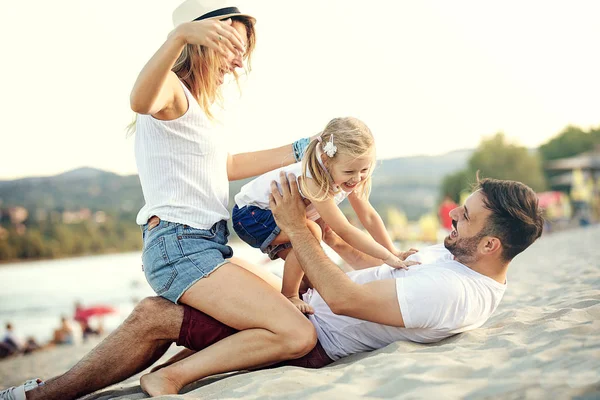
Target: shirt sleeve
[(433, 301)]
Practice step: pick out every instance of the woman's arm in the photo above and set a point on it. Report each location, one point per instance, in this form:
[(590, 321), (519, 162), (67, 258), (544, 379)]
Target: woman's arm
[(371, 220), (246, 165), (156, 85), (157, 88)]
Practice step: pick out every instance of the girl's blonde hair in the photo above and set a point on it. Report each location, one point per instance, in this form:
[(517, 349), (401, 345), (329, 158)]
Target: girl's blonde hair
[(198, 68), (352, 138)]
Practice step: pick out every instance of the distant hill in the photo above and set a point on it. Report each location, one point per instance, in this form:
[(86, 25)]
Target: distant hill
[(409, 183), (420, 169), (80, 188)]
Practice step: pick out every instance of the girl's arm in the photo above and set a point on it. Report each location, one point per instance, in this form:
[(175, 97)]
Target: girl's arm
[(356, 259), (370, 219), (157, 91), (356, 238)]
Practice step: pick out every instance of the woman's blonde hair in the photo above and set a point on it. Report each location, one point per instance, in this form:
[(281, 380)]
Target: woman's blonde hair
[(352, 138), (198, 68)]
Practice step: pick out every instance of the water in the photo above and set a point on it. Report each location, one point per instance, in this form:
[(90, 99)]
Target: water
[(34, 295)]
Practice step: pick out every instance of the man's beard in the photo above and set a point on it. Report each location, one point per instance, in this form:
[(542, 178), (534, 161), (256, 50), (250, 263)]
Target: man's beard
[(465, 250)]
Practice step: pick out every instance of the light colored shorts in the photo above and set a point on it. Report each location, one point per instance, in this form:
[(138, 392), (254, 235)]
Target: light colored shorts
[(175, 256)]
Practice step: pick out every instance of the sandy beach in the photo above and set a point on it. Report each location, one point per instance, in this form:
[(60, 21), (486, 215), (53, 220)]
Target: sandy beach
[(542, 342)]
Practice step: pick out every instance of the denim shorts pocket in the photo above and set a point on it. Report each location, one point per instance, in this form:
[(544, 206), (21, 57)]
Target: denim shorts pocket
[(149, 236), (194, 233), (263, 217), (245, 235), (160, 272)]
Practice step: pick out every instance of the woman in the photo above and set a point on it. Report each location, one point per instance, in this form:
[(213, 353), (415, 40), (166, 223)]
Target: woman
[(184, 170)]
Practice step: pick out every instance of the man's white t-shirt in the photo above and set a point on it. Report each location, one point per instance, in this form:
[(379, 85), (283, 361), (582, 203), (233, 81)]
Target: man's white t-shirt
[(438, 298)]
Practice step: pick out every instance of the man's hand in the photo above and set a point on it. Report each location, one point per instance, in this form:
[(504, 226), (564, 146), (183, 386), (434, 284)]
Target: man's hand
[(287, 207)]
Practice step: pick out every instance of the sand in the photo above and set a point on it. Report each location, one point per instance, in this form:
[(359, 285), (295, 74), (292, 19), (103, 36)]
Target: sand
[(542, 342)]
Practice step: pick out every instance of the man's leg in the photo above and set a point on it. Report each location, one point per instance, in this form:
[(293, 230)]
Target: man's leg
[(141, 340), (200, 331)]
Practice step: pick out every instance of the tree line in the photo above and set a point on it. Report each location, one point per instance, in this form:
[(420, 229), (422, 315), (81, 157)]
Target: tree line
[(55, 239), (499, 158)]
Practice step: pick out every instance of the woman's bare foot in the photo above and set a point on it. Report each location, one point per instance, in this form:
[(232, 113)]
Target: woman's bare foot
[(157, 384), (300, 305), (179, 356)]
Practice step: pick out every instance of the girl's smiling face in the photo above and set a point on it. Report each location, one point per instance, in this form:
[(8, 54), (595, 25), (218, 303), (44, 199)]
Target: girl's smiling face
[(346, 171)]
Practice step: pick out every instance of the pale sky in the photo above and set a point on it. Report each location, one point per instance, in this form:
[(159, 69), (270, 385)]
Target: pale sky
[(427, 76)]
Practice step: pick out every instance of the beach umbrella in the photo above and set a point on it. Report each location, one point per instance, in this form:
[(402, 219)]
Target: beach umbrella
[(85, 313)]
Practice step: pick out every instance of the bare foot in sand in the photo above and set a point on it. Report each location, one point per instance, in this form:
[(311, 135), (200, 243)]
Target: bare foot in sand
[(179, 356), (300, 305), (157, 384)]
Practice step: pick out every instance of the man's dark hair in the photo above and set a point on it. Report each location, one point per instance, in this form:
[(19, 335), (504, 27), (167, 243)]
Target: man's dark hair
[(516, 218)]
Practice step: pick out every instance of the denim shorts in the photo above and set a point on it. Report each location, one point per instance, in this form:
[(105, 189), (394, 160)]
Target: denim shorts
[(257, 227), (175, 256)]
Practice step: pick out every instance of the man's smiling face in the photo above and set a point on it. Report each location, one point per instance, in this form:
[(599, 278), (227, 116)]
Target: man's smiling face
[(469, 223)]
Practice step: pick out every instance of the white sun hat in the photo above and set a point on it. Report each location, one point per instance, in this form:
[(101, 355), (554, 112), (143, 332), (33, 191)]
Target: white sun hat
[(197, 10)]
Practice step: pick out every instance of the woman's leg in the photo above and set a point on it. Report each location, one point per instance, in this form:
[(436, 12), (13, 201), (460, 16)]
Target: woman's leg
[(266, 276), (272, 329)]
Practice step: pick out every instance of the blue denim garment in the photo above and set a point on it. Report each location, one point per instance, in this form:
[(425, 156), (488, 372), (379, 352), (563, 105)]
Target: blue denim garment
[(175, 256), (254, 226), (257, 227)]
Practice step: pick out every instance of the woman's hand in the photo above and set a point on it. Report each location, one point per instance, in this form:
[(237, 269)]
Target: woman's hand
[(220, 36)]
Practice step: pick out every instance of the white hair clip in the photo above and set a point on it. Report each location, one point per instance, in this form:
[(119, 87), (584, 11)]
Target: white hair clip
[(330, 149)]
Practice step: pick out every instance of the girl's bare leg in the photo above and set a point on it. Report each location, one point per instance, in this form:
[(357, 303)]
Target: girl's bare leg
[(292, 271), (272, 329), (292, 277)]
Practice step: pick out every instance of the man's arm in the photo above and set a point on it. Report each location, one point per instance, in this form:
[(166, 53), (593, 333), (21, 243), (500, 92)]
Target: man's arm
[(375, 301)]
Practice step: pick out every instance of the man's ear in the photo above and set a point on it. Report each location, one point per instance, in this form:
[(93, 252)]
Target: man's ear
[(491, 245)]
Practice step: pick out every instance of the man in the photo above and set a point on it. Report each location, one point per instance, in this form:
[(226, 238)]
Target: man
[(452, 291)]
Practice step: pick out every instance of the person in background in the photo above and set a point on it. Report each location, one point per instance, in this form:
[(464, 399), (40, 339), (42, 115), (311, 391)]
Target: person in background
[(11, 341), (83, 318), (65, 334), (13, 344), (446, 206)]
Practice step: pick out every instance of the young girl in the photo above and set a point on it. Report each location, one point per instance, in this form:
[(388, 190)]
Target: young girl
[(338, 164), (184, 169)]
